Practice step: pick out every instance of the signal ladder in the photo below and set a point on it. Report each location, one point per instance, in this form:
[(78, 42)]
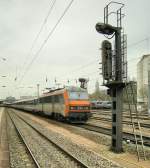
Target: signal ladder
[(134, 116)]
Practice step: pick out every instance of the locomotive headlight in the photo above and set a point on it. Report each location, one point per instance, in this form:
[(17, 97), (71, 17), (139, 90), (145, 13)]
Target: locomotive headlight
[(81, 108), (73, 107), (86, 108)]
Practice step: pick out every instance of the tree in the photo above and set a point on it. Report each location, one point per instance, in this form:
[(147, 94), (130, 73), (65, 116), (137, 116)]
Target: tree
[(99, 94)]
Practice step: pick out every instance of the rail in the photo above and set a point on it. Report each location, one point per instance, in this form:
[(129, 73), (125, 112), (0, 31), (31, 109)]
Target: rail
[(56, 145), (107, 131), (24, 141), (145, 125)]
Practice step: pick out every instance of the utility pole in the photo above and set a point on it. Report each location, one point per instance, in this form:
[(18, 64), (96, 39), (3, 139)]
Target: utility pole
[(113, 71)]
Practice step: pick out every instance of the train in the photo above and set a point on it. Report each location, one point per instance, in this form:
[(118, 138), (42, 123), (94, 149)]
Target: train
[(97, 104), (64, 104)]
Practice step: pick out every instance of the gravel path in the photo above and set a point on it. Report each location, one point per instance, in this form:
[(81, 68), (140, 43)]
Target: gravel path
[(19, 158), (88, 157), (46, 154)]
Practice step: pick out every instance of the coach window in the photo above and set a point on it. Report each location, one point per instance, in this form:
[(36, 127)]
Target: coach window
[(53, 99), (30, 102), (40, 100), (49, 99), (61, 99), (43, 100), (56, 99)]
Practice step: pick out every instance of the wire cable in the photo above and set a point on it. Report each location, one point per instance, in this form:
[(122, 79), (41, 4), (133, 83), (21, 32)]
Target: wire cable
[(138, 42), (109, 37), (80, 68), (45, 41), (40, 31)]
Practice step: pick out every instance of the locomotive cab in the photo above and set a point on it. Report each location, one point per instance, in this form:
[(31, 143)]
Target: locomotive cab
[(78, 104)]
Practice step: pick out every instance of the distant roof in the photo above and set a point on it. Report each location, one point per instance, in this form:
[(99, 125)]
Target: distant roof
[(144, 56)]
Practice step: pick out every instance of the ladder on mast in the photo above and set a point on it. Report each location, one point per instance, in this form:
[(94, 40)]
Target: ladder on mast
[(135, 122)]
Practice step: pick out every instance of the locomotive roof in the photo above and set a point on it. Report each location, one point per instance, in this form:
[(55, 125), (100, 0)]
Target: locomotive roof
[(61, 90), (56, 91), (75, 89)]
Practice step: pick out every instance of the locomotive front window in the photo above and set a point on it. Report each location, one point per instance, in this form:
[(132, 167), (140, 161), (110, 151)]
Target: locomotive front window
[(78, 95)]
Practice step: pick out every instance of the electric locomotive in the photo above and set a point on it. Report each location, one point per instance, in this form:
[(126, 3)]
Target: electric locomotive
[(70, 103)]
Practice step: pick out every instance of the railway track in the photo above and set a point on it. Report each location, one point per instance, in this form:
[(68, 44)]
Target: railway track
[(29, 151), (125, 115), (144, 125), (58, 147), (107, 131)]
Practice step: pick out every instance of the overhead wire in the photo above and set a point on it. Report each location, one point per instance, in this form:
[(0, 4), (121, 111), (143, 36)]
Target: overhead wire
[(79, 68), (95, 61), (45, 41), (132, 59), (37, 36), (88, 64), (40, 31), (138, 42), (53, 31)]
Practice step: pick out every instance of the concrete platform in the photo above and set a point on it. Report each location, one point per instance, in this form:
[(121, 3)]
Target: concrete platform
[(4, 147)]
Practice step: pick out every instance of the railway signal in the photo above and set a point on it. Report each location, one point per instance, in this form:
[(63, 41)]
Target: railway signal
[(112, 70), (106, 29), (106, 60)]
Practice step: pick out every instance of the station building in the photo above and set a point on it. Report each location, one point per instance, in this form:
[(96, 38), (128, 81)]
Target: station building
[(143, 67)]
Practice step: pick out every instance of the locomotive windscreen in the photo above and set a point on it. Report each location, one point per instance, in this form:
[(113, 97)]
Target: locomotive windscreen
[(78, 95)]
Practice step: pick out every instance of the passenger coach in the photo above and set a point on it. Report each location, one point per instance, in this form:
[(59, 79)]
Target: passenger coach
[(69, 103)]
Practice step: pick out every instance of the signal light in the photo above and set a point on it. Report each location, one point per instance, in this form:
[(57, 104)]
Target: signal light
[(106, 60), (105, 28)]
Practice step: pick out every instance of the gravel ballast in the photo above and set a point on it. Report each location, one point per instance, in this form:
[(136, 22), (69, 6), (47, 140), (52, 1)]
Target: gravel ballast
[(90, 158), (45, 152), (18, 153)]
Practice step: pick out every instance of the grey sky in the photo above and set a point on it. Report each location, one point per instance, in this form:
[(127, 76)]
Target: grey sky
[(73, 45)]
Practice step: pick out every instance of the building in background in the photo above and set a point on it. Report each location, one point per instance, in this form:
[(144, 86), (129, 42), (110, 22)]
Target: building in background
[(27, 97), (143, 67), (1, 102), (10, 100)]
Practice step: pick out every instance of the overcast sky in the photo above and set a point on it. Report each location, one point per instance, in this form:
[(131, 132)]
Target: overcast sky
[(72, 51)]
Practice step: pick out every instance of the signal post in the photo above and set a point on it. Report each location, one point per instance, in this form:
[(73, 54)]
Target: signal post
[(113, 72)]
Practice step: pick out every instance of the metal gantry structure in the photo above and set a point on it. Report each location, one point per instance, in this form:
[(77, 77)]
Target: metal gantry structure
[(114, 68)]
